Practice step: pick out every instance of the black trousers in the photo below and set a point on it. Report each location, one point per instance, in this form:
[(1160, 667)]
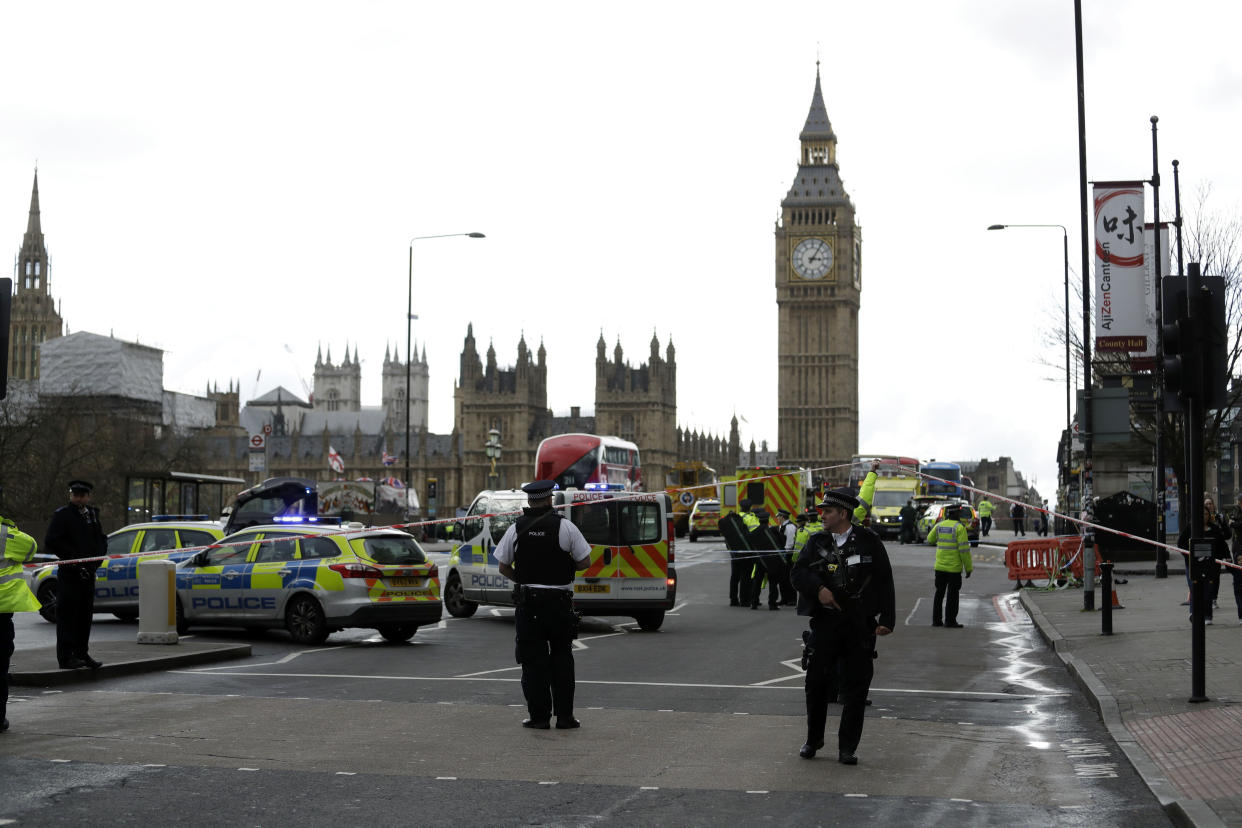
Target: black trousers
[(985, 525), (75, 605), (739, 577), (835, 637), (545, 634), (773, 565), (1019, 526), (6, 654), (950, 583), (907, 533)]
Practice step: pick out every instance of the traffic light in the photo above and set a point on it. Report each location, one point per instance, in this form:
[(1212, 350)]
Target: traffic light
[(6, 312), (1183, 373), (1214, 334)]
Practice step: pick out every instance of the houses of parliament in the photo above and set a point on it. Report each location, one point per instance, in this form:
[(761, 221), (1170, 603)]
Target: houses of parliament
[(818, 251)]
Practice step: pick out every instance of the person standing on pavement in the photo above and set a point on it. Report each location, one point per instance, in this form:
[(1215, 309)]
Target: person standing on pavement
[(767, 563), (540, 553), (952, 560), (909, 516), (741, 561), (1018, 512), (1217, 532), (75, 532), (1235, 524), (845, 585), (985, 516), (16, 550)]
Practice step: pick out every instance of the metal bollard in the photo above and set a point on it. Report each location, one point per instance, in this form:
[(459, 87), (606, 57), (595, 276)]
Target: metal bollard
[(157, 602), (1106, 598)]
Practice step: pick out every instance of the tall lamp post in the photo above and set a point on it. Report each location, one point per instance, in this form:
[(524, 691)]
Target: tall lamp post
[(409, 320), (492, 449), (1069, 435)]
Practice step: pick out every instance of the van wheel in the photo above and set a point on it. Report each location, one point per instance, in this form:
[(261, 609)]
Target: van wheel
[(650, 620), (182, 626), (47, 597), (694, 536), (305, 621), (398, 632), (455, 600)]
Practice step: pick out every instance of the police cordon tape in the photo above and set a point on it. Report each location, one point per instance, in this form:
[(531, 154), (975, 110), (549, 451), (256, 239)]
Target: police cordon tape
[(621, 495)]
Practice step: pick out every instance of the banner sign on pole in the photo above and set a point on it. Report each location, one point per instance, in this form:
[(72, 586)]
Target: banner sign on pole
[(1121, 318)]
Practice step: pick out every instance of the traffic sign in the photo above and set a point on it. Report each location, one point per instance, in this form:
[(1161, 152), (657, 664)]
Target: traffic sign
[(267, 429)]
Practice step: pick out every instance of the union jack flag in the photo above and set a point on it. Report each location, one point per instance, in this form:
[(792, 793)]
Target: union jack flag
[(388, 459)]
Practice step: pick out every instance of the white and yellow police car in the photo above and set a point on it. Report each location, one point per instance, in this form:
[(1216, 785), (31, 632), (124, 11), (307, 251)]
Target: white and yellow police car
[(312, 579), (631, 535), (116, 579)]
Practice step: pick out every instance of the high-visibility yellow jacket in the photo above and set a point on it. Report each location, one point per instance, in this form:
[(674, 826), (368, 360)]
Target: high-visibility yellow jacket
[(952, 547), (749, 519), (16, 549), (985, 508), (866, 493)]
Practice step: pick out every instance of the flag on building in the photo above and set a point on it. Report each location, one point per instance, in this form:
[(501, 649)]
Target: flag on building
[(335, 461), (388, 459)]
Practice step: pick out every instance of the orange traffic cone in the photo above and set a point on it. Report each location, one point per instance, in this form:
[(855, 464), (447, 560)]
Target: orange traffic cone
[(1116, 601)]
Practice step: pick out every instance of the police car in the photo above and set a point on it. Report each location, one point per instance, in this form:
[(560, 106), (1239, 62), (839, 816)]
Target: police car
[(116, 580), (313, 579), (632, 557)]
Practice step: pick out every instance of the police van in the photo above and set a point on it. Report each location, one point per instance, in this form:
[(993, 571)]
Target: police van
[(632, 558)]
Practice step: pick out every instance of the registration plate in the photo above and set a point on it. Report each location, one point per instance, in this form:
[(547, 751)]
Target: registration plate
[(596, 588), (405, 582)]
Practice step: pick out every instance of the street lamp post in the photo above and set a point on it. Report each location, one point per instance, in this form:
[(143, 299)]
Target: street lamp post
[(1069, 434), (492, 449), (409, 319)]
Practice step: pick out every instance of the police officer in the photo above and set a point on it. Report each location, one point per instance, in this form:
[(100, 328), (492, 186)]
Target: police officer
[(985, 516), (952, 559), (741, 561), (540, 553), (16, 549), (75, 532), (787, 534), (845, 584)]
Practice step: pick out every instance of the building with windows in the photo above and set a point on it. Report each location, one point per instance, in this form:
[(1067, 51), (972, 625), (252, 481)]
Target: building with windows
[(35, 318)]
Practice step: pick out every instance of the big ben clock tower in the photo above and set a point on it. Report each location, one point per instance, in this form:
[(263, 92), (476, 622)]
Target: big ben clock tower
[(818, 285)]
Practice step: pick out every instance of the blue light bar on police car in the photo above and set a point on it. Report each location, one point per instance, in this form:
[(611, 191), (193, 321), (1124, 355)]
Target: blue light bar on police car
[(603, 487)]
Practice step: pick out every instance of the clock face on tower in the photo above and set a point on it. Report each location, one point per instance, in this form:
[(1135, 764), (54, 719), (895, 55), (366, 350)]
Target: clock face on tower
[(812, 258)]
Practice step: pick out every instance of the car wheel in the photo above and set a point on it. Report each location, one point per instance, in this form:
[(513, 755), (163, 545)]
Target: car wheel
[(182, 626), (47, 597), (650, 620), (305, 621), (455, 600), (398, 632), (126, 615), (694, 536)]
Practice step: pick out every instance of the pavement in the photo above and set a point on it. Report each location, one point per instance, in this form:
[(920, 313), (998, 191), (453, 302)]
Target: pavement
[(37, 667), (1139, 679)]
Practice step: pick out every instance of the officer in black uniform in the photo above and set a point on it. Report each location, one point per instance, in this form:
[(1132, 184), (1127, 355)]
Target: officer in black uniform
[(540, 553), (845, 584), (75, 532)]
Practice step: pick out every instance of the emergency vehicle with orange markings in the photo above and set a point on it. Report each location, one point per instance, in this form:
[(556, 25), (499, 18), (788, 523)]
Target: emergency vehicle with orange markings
[(632, 570), (769, 487)]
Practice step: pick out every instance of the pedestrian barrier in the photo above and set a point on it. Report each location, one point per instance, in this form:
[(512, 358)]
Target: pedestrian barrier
[(1045, 559)]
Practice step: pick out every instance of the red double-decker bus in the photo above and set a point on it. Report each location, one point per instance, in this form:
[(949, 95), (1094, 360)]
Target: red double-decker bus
[(574, 460)]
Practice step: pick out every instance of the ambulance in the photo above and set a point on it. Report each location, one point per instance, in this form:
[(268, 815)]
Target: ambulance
[(631, 535), (769, 487)]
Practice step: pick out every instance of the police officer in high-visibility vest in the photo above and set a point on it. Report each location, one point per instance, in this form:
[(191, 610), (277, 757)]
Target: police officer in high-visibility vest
[(952, 559), (985, 516), (540, 553), (16, 549), (75, 532), (845, 584)]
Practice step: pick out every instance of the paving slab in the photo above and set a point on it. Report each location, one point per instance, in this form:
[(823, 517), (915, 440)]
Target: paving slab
[(1139, 678)]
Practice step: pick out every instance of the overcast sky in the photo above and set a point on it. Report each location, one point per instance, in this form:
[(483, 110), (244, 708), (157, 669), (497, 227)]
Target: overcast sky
[(237, 183)]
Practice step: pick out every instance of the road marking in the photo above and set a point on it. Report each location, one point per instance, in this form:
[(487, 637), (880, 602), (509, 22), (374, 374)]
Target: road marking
[(649, 788), (248, 769), (278, 661), (346, 773), (549, 783), (155, 766), (757, 792), (856, 796), (486, 672), (62, 761), (913, 611), (447, 778), (683, 684)]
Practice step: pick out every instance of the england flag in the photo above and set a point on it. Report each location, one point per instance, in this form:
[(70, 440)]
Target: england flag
[(335, 461)]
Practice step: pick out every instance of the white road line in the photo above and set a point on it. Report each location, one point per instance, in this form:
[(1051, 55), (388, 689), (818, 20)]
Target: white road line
[(910, 617), (284, 660), (689, 685), (486, 672)]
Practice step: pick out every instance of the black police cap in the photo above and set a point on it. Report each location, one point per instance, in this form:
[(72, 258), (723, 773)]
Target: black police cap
[(80, 486), (539, 489)]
